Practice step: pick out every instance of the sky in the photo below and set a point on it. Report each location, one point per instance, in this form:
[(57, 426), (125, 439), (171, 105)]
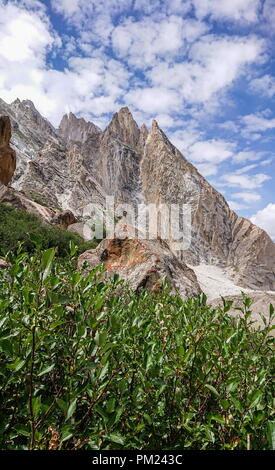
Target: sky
[(205, 69)]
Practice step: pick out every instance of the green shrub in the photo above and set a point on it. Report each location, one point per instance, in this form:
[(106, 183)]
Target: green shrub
[(91, 365), (19, 226)]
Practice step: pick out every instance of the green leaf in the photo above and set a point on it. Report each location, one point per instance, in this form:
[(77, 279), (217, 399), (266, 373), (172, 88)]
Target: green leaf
[(46, 262), (100, 338), (46, 370), (117, 438), (21, 429), (212, 389), (71, 409), (17, 365), (271, 434)]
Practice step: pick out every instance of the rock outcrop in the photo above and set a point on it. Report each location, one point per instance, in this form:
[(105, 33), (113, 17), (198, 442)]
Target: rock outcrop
[(18, 200), (7, 154), (63, 219), (143, 264)]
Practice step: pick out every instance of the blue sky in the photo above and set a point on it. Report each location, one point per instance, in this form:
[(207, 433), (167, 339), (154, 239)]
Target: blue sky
[(205, 69)]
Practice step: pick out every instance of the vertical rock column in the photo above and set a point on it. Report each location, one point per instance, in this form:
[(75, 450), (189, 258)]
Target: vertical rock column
[(7, 154)]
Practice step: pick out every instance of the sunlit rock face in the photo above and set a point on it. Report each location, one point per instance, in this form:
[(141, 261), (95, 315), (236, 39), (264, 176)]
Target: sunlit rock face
[(78, 164)]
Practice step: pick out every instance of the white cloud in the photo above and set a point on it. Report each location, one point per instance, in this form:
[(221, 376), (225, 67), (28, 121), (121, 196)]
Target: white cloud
[(247, 155), (254, 124), (247, 196), (206, 72), (265, 218), (67, 7), (212, 151), (141, 42), (24, 36), (245, 181), (264, 85), (153, 100), (233, 10), (92, 85), (236, 206)]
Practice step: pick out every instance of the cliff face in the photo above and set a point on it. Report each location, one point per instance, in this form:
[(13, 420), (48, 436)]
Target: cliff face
[(219, 236), (73, 129), (78, 164), (7, 154)]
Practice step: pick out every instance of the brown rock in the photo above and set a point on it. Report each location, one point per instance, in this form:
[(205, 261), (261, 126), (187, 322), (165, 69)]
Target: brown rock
[(7, 154), (63, 219), (142, 264)]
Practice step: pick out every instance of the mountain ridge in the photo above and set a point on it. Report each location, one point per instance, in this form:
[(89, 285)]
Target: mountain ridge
[(78, 164)]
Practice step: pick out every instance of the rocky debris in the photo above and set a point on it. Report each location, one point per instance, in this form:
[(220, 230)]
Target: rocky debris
[(63, 219), (4, 264), (260, 306), (18, 200), (143, 264), (74, 129), (7, 154)]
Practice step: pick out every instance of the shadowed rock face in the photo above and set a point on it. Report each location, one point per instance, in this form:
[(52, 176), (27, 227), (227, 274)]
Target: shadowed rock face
[(7, 154), (143, 264), (63, 219)]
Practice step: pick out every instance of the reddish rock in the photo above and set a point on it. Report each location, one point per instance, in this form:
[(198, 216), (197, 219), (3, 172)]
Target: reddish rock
[(7, 154)]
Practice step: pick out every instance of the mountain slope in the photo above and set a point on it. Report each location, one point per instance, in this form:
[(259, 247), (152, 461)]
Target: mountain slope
[(78, 164)]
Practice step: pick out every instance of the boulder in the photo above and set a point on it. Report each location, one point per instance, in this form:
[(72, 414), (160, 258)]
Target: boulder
[(142, 264)]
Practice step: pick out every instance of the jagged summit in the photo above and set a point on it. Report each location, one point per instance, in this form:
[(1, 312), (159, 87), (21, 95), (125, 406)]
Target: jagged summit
[(124, 128), (74, 129)]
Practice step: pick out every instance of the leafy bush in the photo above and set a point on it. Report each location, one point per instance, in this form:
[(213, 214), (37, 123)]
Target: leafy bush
[(91, 365), (19, 226)]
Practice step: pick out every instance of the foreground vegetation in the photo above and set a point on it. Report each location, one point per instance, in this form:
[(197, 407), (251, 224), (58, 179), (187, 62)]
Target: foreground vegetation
[(19, 226), (91, 365)]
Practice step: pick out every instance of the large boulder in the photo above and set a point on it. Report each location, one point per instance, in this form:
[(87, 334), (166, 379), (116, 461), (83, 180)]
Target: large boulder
[(142, 264), (7, 154)]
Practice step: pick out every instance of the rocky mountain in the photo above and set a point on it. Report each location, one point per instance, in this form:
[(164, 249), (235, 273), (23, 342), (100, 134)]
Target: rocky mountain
[(78, 164), (73, 129)]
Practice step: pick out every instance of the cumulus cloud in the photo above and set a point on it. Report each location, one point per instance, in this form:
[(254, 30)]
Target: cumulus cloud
[(265, 218), (206, 72), (247, 196), (245, 181), (264, 85), (92, 85), (142, 42), (233, 10), (253, 125)]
